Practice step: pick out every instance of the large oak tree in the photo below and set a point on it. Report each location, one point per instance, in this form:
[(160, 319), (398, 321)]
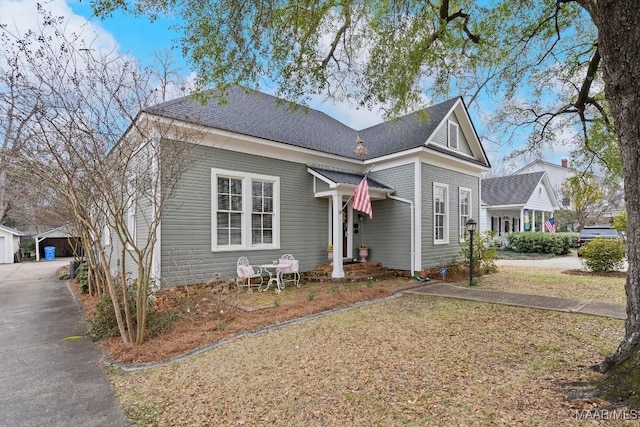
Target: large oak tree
[(550, 64)]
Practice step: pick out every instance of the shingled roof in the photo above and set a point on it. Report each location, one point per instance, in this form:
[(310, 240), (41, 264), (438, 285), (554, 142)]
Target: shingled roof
[(511, 189), (257, 114)]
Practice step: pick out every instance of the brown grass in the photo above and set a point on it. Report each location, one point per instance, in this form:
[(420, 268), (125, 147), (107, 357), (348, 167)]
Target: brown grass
[(586, 286), (410, 361)]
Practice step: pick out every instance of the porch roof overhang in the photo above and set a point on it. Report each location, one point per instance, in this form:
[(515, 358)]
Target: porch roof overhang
[(503, 207), (60, 232), (342, 182)]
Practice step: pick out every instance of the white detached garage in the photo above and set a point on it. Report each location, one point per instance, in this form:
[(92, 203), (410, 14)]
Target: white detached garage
[(9, 243)]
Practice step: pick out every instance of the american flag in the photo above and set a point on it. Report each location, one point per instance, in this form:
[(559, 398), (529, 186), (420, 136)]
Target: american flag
[(361, 201), (550, 225)]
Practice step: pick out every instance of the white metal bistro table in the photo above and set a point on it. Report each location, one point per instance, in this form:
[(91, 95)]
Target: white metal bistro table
[(274, 276)]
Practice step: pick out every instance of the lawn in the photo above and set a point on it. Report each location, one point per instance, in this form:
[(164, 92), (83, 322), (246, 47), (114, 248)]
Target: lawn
[(408, 361), (555, 282)]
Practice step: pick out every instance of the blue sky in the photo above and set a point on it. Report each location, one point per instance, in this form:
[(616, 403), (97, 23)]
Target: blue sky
[(139, 37)]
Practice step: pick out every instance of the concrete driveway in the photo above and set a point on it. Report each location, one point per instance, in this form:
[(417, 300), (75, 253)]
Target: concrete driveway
[(46, 380)]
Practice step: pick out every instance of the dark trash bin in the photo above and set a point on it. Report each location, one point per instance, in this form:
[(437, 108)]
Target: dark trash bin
[(73, 265)]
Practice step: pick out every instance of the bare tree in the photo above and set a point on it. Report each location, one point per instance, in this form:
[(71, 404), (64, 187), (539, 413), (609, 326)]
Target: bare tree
[(88, 143)]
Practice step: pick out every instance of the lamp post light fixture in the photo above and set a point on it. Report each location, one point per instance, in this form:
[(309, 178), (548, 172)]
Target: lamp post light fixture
[(471, 228)]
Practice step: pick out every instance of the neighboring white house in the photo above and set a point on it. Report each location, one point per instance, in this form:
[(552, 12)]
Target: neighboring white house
[(9, 244), (612, 204), (512, 203), (556, 174)]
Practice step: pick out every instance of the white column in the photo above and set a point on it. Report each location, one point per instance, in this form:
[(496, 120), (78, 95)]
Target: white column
[(533, 220), (521, 219), (542, 223), (338, 271)]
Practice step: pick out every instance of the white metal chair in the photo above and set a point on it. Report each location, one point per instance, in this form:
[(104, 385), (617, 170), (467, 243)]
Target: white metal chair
[(246, 271), (289, 266)]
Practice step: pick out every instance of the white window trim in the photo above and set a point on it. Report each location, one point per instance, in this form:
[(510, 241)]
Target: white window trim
[(463, 225), (246, 178), (453, 126), (106, 234), (445, 239), (132, 226)]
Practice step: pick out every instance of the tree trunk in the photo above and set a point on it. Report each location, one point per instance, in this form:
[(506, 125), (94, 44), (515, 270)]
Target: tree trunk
[(618, 25)]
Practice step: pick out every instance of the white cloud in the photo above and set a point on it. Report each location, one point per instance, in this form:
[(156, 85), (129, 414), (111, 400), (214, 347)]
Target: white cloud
[(22, 15), (357, 118)]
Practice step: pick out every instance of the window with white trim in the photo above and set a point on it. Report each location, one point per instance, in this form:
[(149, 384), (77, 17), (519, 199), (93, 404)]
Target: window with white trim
[(245, 210), (465, 210), (440, 213), (262, 212), (131, 213), (106, 234), (452, 136)]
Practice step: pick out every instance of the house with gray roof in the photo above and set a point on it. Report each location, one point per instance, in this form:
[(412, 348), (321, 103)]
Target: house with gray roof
[(270, 177), (512, 203)]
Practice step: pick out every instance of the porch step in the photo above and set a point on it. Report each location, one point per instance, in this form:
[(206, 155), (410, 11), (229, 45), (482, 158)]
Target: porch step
[(358, 271)]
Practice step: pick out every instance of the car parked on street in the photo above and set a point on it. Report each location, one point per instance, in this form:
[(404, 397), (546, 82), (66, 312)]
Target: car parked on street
[(597, 231)]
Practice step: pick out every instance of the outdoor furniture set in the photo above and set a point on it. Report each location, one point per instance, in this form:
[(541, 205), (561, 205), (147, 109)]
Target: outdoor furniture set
[(282, 271)]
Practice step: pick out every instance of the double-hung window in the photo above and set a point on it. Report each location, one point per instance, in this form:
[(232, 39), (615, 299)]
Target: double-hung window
[(440, 213), (465, 210), (245, 210), (262, 212)]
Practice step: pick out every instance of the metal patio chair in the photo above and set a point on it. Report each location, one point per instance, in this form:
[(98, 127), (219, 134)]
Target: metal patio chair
[(289, 270), (247, 272)]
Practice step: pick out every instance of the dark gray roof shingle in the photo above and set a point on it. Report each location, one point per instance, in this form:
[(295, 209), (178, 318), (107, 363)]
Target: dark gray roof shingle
[(257, 114), (510, 190)]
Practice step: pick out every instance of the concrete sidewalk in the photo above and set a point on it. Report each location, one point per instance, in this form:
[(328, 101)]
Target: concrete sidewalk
[(616, 311)]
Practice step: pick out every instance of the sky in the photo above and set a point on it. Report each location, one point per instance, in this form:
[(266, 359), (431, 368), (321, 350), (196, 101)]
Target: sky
[(138, 37)]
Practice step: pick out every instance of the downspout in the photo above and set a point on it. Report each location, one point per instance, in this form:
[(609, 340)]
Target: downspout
[(413, 234)]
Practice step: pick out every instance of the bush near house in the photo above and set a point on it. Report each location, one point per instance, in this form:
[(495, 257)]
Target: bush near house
[(82, 276), (102, 323), (484, 253), (545, 243), (603, 254)]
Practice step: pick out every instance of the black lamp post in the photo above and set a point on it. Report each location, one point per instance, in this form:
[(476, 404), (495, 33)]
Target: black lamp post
[(471, 228)]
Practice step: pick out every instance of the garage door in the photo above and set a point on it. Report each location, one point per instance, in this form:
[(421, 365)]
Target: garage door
[(2, 251)]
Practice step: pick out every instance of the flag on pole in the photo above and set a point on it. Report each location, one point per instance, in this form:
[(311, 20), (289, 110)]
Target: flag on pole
[(361, 201), (550, 225)]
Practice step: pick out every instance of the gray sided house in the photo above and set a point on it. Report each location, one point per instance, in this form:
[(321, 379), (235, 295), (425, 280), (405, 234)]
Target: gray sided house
[(512, 203), (268, 180)]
